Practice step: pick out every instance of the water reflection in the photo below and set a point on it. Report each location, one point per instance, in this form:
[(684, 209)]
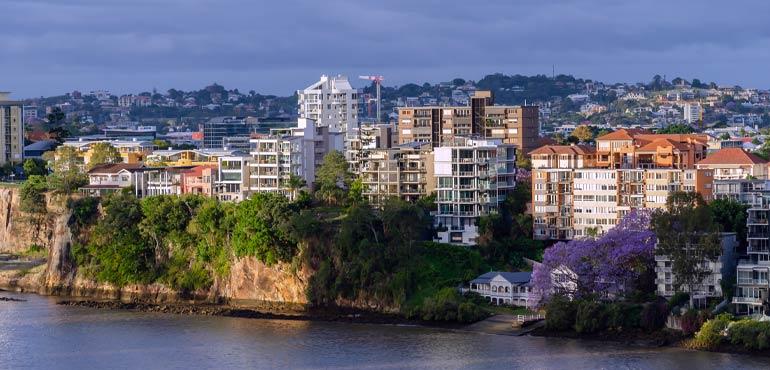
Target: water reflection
[(40, 334)]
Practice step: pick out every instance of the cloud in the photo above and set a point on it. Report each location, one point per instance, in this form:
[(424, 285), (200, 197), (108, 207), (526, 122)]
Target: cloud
[(51, 47)]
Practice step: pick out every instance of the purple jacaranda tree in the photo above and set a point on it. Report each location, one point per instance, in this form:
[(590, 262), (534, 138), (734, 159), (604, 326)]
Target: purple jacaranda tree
[(607, 265)]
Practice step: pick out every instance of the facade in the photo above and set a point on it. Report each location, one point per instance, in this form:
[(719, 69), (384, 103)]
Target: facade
[(628, 149), (199, 180), (11, 130), (109, 178), (505, 288), (734, 164), (404, 172), (187, 157), (161, 181), (472, 178), (517, 125), (367, 137), (331, 102), (753, 271), (569, 203), (693, 113), (232, 178), (711, 286), (217, 129)]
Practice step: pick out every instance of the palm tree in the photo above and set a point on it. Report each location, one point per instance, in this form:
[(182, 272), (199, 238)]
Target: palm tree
[(295, 183)]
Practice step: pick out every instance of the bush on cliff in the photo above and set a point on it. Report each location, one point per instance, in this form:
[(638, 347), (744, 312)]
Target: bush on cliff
[(654, 315), (590, 317), (711, 333), (751, 334)]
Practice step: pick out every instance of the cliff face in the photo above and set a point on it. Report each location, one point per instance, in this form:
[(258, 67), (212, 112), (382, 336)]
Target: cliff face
[(250, 282)]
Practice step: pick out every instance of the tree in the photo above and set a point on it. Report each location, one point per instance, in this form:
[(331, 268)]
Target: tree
[(295, 183), (731, 215), (263, 228), (333, 177), (103, 153), (615, 261), (161, 144), (34, 167), (676, 128), (583, 133), (67, 176), (688, 234)]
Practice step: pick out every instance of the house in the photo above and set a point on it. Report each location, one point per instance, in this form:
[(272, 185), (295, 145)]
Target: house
[(505, 288), (199, 180), (109, 178), (734, 164)]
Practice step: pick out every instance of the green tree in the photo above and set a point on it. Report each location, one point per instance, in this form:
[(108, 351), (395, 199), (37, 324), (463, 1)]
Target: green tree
[(295, 183), (583, 133), (332, 178), (161, 144), (731, 215), (263, 228), (103, 153), (688, 234), (67, 176), (676, 128), (34, 167)]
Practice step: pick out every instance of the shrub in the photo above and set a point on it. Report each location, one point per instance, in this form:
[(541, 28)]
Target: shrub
[(710, 334), (623, 315), (750, 334), (590, 317), (653, 316), (448, 305), (560, 313), (692, 321)]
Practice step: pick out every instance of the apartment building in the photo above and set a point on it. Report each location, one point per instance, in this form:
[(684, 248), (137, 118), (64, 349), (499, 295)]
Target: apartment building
[(404, 172), (367, 137), (627, 148), (753, 271), (734, 164), (187, 157), (473, 176), (517, 125), (217, 129), (11, 130), (200, 180), (573, 196), (331, 102), (711, 285), (232, 178), (693, 113)]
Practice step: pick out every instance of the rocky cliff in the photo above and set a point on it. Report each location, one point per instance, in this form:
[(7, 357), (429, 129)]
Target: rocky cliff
[(250, 282)]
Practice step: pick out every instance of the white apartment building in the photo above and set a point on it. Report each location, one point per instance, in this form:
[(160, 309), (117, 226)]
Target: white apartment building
[(232, 183), (711, 286), (693, 113), (331, 102), (472, 178), (753, 272)]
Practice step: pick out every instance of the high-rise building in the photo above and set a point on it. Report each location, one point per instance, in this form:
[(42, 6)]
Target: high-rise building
[(517, 125), (330, 102), (472, 178), (11, 130), (693, 113)]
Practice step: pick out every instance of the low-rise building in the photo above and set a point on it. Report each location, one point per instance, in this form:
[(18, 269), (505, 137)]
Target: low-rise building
[(734, 164), (109, 178), (200, 180), (505, 288)]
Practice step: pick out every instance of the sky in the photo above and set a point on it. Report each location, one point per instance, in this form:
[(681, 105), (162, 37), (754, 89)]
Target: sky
[(50, 47)]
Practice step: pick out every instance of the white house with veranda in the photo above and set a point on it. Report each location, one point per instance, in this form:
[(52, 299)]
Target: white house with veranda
[(505, 288)]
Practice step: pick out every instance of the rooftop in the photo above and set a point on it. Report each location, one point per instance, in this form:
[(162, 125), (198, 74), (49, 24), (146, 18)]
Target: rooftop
[(732, 156)]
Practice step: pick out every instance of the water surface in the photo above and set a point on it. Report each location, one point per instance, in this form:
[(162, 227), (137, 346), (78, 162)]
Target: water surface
[(38, 334)]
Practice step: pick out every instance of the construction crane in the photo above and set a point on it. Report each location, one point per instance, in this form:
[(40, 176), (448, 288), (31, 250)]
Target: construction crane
[(377, 82)]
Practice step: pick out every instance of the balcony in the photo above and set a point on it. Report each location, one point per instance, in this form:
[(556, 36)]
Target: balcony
[(750, 281), (747, 300)]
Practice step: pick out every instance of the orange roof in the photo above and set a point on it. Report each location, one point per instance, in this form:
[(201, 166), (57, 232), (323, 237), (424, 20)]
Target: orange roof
[(732, 156), (622, 134), (682, 138), (654, 145), (564, 149)]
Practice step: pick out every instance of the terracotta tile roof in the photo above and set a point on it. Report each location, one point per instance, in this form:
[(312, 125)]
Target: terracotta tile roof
[(654, 145), (732, 156), (622, 134), (681, 138), (564, 149), (115, 167)]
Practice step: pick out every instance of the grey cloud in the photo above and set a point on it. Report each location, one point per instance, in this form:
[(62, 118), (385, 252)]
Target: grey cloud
[(51, 47)]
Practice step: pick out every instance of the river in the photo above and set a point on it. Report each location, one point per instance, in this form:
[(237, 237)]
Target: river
[(38, 334)]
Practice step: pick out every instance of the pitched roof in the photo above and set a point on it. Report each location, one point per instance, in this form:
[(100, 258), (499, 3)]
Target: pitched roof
[(522, 277), (732, 156), (564, 149), (115, 167), (654, 145), (622, 134), (680, 138)]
